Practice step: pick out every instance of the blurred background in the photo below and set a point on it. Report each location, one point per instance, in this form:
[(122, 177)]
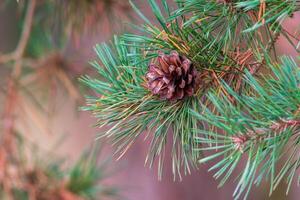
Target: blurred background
[(48, 148)]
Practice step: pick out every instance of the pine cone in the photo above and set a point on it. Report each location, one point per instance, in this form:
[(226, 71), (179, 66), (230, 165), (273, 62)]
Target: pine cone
[(173, 78)]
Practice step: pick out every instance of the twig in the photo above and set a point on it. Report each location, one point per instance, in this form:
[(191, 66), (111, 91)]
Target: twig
[(11, 98), (24, 39), (260, 133), (291, 35), (17, 56), (5, 58)]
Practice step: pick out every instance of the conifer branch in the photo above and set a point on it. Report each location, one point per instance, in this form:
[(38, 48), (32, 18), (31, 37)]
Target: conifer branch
[(17, 57), (24, 38), (235, 112), (17, 54), (264, 127)]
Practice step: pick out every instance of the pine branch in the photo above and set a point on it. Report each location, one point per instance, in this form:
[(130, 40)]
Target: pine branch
[(24, 38), (17, 54), (86, 176), (206, 45), (263, 127), (236, 22), (269, 12), (129, 108), (232, 113)]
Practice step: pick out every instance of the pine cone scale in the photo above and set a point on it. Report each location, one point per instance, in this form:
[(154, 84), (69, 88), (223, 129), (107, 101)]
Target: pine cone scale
[(163, 61)]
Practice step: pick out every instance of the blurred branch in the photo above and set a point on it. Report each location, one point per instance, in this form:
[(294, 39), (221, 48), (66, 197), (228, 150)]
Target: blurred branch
[(290, 37), (24, 38), (17, 54), (6, 58)]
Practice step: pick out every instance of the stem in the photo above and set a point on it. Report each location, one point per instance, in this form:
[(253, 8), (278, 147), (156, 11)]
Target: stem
[(24, 39), (11, 98), (261, 133), (17, 54), (12, 84), (290, 34)]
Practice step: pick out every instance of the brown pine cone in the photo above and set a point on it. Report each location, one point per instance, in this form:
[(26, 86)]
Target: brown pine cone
[(173, 77)]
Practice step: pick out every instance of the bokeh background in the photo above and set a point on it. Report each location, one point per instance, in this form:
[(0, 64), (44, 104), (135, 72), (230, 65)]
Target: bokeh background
[(46, 112)]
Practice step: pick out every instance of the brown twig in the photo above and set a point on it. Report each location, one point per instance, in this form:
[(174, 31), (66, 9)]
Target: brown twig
[(18, 54), (5, 58), (260, 133), (291, 35), (11, 98), (17, 57)]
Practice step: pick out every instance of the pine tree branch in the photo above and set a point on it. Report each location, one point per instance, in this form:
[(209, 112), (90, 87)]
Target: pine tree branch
[(5, 58), (261, 134), (11, 98), (17, 57), (233, 113), (262, 126), (17, 54)]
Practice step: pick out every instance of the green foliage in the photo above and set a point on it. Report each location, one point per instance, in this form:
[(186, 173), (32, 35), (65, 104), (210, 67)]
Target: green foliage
[(129, 108), (49, 178), (274, 14), (262, 127), (19, 194), (237, 114), (47, 32), (236, 13), (85, 175), (217, 20), (235, 22), (201, 42)]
